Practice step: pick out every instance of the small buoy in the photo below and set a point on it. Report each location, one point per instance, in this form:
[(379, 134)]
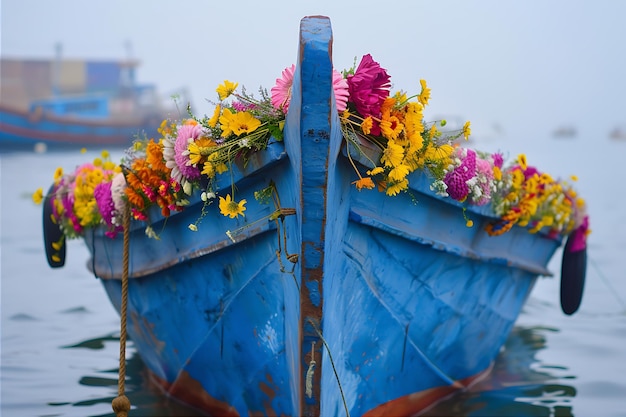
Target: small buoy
[(40, 147)]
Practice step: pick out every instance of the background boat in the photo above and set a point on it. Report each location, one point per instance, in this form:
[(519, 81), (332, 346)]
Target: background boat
[(60, 102)]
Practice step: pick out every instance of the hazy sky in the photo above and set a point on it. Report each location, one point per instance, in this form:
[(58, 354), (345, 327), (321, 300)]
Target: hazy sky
[(527, 66)]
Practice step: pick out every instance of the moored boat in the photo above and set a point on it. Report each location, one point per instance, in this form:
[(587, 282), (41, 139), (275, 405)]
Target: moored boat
[(75, 102), (347, 288)]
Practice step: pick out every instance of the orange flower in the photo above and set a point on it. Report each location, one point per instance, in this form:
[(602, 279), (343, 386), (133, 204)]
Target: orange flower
[(364, 183)]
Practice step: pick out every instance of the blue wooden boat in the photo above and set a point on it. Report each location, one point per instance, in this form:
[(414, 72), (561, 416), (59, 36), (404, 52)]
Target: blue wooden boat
[(63, 102), (331, 301)]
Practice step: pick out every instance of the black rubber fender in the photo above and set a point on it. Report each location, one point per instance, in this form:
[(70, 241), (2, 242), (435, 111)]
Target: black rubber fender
[(53, 236), (573, 274)]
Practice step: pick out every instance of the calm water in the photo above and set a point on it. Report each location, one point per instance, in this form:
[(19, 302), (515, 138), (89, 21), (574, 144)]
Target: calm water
[(60, 335)]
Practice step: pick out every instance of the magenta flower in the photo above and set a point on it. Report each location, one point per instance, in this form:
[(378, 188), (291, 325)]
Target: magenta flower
[(530, 171), (368, 88), (104, 200), (579, 236), (498, 160), (456, 180)]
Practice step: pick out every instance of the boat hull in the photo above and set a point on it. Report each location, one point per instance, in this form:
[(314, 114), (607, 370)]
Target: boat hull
[(20, 128), (349, 302)]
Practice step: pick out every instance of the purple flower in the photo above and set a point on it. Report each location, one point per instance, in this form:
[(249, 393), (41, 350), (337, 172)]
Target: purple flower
[(456, 180), (104, 200), (498, 160), (369, 87), (241, 106)]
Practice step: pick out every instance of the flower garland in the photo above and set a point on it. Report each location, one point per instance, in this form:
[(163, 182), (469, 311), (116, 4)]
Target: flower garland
[(190, 153)]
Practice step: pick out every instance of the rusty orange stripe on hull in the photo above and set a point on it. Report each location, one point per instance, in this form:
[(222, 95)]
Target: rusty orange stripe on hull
[(419, 402)]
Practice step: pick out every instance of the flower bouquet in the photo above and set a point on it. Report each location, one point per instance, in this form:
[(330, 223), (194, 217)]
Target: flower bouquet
[(189, 155)]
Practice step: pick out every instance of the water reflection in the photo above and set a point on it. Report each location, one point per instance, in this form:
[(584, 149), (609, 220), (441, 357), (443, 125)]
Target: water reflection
[(518, 385), (146, 400)]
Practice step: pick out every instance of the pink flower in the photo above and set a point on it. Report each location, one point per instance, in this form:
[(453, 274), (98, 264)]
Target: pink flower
[(484, 173), (186, 133), (340, 88), (456, 180), (368, 88), (282, 91), (118, 185)]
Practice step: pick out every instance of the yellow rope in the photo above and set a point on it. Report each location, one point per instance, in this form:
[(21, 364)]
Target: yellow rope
[(121, 404)]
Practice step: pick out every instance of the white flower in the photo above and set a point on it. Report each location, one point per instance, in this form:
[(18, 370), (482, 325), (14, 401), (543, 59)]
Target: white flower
[(187, 187)]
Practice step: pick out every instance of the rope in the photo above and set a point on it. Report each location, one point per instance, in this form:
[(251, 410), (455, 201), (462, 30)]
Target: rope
[(121, 404)]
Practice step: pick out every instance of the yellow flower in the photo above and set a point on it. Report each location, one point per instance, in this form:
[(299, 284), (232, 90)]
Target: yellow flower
[(364, 183), (518, 179), (466, 130), (392, 155), (375, 171), (38, 196), (367, 124), (385, 108), (226, 89), (219, 166), (216, 115), (391, 127), (438, 153), (198, 149), (58, 173), (208, 170), (425, 94), (105, 154), (497, 173), (244, 122), (231, 208), (413, 121), (226, 119), (399, 173), (395, 188), (521, 160)]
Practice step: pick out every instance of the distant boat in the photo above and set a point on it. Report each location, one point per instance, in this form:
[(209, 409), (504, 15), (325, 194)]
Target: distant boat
[(331, 301), (619, 133), (565, 132), (75, 102)]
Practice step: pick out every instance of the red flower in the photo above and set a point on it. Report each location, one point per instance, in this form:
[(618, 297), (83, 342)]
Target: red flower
[(369, 87)]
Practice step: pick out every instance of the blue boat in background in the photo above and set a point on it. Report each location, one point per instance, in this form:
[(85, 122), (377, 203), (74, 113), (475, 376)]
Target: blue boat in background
[(60, 102), (330, 302)]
